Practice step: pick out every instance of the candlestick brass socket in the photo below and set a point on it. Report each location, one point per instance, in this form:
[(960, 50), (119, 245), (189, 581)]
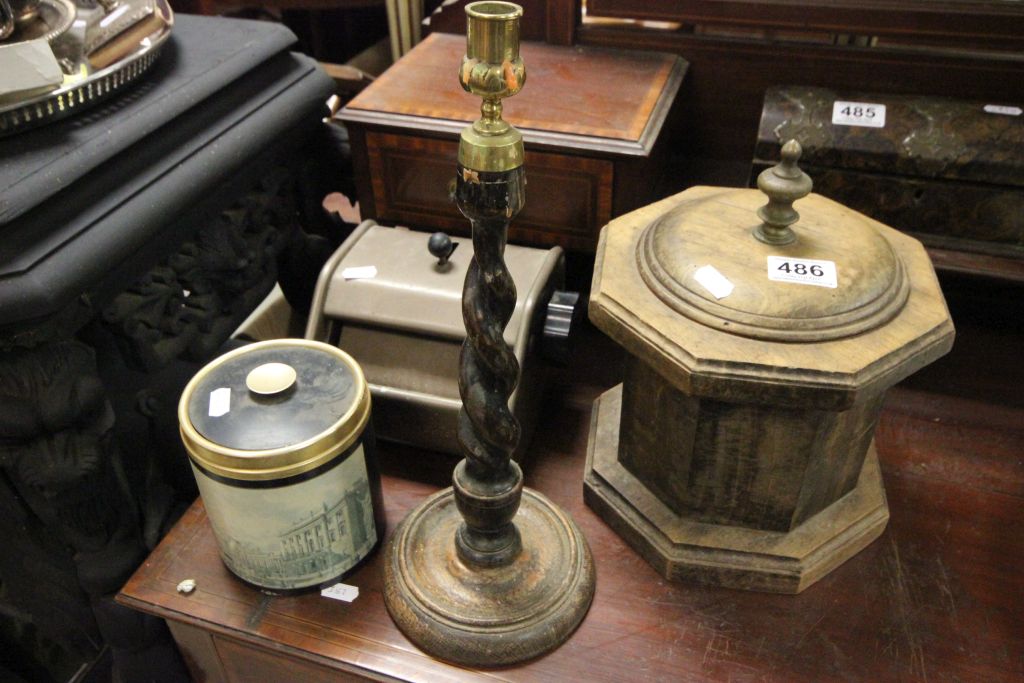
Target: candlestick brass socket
[(492, 69)]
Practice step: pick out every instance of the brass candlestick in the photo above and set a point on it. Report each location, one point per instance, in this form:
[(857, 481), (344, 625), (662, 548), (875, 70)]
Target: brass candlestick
[(488, 573)]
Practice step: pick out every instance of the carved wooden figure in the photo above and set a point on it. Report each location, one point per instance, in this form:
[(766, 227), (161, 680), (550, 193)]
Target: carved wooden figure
[(738, 451)]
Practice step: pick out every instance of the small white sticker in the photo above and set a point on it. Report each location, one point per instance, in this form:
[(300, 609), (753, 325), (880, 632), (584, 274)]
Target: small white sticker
[(858, 114), (713, 281), (341, 591), (220, 401), (802, 271), (1003, 109), (359, 272)]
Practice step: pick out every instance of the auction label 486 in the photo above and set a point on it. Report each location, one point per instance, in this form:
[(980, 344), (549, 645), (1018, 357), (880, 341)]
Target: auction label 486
[(802, 271)]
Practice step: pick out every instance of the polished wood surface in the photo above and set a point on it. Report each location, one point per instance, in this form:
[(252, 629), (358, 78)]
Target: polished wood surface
[(598, 93), (739, 48), (937, 597)]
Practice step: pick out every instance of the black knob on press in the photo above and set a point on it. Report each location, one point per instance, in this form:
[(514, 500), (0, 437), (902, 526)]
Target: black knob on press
[(559, 321), (440, 246)]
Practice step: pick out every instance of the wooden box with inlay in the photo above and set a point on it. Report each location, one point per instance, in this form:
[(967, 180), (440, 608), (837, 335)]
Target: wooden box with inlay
[(739, 449), (591, 120)]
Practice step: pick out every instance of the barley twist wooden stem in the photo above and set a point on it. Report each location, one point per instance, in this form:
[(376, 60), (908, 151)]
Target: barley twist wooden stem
[(488, 485)]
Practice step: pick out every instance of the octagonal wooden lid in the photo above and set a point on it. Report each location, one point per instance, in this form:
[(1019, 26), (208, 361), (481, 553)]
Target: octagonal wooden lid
[(727, 258), (797, 343)]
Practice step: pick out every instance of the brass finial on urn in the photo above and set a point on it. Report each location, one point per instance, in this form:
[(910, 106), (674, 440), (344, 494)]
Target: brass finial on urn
[(487, 572), (784, 183)]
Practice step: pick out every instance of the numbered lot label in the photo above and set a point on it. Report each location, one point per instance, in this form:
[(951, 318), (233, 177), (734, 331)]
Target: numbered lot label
[(802, 271), (858, 114)]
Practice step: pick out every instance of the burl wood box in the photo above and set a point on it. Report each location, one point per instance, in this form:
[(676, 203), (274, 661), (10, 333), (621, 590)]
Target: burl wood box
[(950, 172), (591, 120)]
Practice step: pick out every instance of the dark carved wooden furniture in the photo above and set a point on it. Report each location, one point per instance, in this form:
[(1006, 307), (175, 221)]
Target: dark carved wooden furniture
[(134, 239), (950, 172), (591, 120), (935, 597), (980, 21)]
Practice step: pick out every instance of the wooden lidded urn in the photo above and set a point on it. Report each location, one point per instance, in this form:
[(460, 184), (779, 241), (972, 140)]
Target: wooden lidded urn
[(738, 451)]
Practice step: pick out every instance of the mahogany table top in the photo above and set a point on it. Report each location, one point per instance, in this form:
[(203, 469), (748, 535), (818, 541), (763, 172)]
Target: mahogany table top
[(580, 91)]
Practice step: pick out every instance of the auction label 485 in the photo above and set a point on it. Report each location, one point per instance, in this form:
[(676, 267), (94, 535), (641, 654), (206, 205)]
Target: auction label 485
[(867, 114)]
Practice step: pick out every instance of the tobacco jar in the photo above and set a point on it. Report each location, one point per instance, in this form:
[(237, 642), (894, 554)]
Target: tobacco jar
[(281, 444)]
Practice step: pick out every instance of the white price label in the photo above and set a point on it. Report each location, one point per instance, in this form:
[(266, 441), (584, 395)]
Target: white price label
[(802, 271), (359, 272), (341, 591), (713, 281), (220, 401), (858, 114), (1003, 109)]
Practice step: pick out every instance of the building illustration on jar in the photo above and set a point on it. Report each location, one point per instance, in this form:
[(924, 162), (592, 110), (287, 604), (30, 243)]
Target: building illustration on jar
[(273, 538)]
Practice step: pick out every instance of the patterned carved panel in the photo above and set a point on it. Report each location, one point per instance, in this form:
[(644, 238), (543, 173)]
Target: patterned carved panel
[(189, 304), (66, 516)]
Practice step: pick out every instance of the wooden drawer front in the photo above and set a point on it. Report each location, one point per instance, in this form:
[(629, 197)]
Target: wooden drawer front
[(244, 663), (213, 658), (569, 198)]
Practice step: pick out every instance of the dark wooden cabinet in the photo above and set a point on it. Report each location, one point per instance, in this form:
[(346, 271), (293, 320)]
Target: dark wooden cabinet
[(960, 19)]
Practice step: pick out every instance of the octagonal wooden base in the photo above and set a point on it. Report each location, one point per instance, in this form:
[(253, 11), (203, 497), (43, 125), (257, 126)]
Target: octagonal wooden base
[(736, 557), (485, 617)]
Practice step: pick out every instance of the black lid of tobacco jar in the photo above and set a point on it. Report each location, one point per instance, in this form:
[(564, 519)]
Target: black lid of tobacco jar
[(274, 409)]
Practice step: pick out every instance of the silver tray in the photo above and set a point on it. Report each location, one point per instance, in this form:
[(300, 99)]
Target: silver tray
[(84, 84)]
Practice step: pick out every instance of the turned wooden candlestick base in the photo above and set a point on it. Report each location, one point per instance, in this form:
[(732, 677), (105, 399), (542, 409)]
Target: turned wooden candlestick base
[(494, 616)]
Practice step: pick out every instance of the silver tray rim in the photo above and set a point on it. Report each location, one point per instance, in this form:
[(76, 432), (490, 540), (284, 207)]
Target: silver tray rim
[(98, 85)]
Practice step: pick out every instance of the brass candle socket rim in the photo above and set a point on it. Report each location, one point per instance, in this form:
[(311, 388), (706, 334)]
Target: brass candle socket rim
[(492, 31), (492, 69)]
